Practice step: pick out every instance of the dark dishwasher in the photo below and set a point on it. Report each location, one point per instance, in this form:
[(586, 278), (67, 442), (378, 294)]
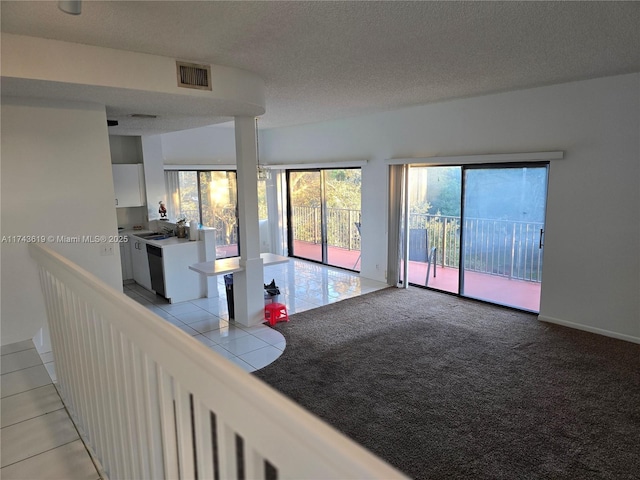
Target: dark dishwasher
[(155, 268)]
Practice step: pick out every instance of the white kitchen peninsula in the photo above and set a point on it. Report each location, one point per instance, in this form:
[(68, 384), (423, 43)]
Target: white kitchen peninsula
[(180, 283), (230, 265)]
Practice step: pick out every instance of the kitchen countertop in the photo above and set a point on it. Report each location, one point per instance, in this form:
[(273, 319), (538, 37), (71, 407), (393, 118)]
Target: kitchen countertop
[(230, 265), (167, 242)]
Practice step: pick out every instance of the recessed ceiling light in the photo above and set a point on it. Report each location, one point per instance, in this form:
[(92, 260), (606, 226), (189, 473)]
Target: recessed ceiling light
[(142, 115)]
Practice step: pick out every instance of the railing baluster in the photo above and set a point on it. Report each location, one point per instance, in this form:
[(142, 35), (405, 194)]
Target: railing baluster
[(152, 405), (513, 249), (533, 252), (68, 345), (123, 360), (203, 443), (85, 418), (89, 424), (136, 395), (493, 249), (349, 230), (254, 462), (443, 248), (520, 253), (539, 262), (227, 451), (120, 400), (168, 424), (104, 450), (485, 242), (505, 249), (102, 397), (97, 397), (61, 351), (113, 394), (525, 249), (184, 432), (485, 247)]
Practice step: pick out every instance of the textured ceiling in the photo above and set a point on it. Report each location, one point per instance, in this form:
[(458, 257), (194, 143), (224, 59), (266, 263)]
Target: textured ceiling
[(328, 60)]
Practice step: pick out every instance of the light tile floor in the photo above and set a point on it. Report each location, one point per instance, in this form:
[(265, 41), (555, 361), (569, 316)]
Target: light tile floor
[(303, 286), (39, 441)]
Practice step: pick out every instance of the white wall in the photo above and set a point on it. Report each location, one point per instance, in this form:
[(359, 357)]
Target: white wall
[(125, 149), (591, 265), (214, 145), (153, 174), (56, 180)]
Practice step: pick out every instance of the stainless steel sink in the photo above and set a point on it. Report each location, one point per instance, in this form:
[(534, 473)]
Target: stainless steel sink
[(153, 236)]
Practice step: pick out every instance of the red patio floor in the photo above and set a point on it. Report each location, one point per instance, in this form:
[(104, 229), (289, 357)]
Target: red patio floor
[(492, 288), (338, 257)]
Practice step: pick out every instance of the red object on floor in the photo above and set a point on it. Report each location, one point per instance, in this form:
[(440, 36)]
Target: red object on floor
[(275, 312)]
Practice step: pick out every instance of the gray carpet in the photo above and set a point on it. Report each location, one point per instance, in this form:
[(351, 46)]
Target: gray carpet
[(442, 387)]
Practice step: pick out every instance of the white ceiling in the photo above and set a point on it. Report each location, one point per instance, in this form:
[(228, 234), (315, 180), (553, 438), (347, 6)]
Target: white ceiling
[(329, 60)]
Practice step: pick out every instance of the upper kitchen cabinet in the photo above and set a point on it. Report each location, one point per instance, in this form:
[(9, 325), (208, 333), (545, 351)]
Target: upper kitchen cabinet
[(128, 183)]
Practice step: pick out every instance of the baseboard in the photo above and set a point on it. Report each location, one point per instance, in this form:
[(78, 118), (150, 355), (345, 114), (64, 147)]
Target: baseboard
[(586, 328)]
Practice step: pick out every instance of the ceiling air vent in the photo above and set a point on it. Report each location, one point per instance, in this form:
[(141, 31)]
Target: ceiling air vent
[(191, 75)]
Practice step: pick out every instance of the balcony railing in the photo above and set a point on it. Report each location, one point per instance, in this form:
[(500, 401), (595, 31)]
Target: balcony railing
[(341, 226), (496, 247), (151, 402)]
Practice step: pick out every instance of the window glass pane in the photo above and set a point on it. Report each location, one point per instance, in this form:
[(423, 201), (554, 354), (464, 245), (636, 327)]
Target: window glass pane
[(504, 212), (188, 193), (262, 201), (343, 194), (304, 190), (218, 194), (325, 216), (434, 227)]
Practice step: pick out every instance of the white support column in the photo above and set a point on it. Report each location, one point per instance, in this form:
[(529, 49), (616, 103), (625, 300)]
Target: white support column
[(248, 286)]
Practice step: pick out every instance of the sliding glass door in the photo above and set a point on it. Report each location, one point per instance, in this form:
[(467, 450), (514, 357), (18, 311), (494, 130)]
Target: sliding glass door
[(434, 227), (308, 238), (502, 239), (324, 216), (478, 231)]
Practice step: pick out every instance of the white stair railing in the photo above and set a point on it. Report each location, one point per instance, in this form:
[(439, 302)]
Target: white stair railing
[(151, 402)]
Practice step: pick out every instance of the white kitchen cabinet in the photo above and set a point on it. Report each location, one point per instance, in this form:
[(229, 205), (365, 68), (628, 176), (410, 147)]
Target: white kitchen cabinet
[(140, 263), (181, 283), (128, 185), (125, 260)]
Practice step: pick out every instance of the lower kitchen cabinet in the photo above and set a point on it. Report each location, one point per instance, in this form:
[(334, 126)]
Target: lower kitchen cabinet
[(140, 263), (171, 267), (181, 283), (125, 260)]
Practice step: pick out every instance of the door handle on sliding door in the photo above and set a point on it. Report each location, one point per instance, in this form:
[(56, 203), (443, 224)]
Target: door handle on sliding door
[(541, 237)]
